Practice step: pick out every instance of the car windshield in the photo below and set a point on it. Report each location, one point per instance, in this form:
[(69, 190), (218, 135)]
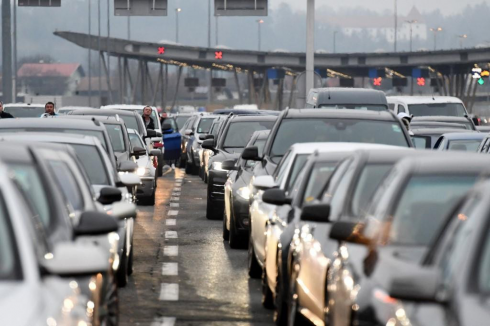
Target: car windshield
[(438, 109), (136, 141), (67, 183), (468, 145), (117, 137), (424, 203), (181, 120), (298, 165), (9, 264), (292, 131), (205, 125), (361, 107), (239, 133), (370, 179), (170, 121), (131, 122), (319, 175), (420, 141), (25, 111), (93, 164), (30, 182)]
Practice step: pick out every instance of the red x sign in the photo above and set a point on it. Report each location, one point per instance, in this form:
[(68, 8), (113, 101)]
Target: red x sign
[(377, 81), (161, 50), (218, 55)]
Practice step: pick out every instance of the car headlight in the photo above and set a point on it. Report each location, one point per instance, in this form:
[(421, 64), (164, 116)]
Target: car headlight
[(142, 171), (244, 192), (217, 166)]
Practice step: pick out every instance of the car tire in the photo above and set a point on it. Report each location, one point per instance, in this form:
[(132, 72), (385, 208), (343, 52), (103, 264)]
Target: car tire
[(293, 316), (281, 311), (236, 239), (151, 200), (205, 177), (111, 317), (130, 261), (122, 272), (160, 166), (188, 168), (210, 213), (254, 269), (267, 297), (226, 232), (201, 173)]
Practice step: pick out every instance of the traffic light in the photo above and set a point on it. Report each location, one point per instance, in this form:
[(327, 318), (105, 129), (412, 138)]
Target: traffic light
[(421, 81), (377, 81)]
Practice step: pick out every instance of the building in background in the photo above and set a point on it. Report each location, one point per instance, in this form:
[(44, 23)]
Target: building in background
[(61, 79)]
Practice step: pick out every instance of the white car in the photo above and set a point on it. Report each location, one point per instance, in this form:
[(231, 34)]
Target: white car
[(24, 110), (427, 105), (139, 109)]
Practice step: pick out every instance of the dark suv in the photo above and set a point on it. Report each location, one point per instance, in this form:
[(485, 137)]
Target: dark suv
[(313, 125)]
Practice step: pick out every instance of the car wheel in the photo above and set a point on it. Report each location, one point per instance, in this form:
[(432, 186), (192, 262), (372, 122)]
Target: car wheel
[(111, 318), (210, 212), (226, 233), (236, 239), (267, 297), (160, 166), (294, 318), (130, 261), (281, 312), (254, 269), (188, 168), (151, 200), (122, 272), (201, 173), (205, 177)]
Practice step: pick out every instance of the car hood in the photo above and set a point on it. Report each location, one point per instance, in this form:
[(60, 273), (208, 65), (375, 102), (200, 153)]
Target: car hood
[(223, 156)]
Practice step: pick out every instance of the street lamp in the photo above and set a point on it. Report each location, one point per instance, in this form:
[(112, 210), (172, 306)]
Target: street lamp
[(461, 39), (435, 31), (260, 22), (177, 24), (411, 22)]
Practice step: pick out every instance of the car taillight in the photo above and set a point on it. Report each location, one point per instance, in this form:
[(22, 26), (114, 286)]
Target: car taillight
[(158, 145), (155, 162), (479, 121)]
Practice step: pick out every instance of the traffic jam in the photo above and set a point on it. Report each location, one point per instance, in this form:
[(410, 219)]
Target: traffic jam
[(359, 209)]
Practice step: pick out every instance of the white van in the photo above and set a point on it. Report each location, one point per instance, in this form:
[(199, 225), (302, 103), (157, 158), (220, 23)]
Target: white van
[(427, 105)]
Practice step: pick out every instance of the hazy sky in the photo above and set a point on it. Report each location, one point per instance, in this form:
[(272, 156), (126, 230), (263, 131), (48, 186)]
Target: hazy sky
[(446, 6)]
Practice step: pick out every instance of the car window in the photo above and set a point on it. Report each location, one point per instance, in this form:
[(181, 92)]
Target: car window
[(437, 109), (116, 136), (280, 171), (239, 133), (25, 111), (337, 176), (423, 204), (93, 163), (469, 145), (421, 142), (296, 167), (319, 175), (136, 141), (67, 183), (205, 125), (10, 265), (401, 109), (391, 106), (172, 123), (292, 131), (131, 122), (30, 181), (181, 120)]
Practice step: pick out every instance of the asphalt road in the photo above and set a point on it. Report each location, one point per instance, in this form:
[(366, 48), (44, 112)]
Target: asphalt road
[(184, 273)]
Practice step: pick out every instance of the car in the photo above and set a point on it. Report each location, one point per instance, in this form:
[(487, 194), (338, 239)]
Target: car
[(442, 122), (296, 236), (207, 153), (233, 139), (244, 111), (181, 119), (426, 138), (346, 98), (467, 142), (484, 147), (196, 126), (485, 129), (68, 109), (379, 127), (36, 273), (419, 106), (407, 212), (236, 221), (172, 139), (24, 110), (457, 262), (145, 192)]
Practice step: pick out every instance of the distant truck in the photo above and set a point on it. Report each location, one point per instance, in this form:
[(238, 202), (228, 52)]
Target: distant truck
[(420, 106), (347, 98)]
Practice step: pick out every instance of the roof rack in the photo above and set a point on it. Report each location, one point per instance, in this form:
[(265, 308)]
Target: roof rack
[(96, 122)]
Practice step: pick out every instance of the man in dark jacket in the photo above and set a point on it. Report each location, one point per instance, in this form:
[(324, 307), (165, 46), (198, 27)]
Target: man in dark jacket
[(148, 120), (3, 114)]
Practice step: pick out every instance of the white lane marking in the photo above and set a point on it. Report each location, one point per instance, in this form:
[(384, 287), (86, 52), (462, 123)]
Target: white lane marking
[(171, 234), (176, 193), (169, 292), (174, 198), (170, 269), (177, 189), (164, 321), (173, 213), (171, 251), (174, 204), (171, 222)]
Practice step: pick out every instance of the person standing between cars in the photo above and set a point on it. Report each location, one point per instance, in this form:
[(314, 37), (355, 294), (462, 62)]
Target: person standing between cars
[(3, 114), (406, 119), (149, 123), (49, 110)]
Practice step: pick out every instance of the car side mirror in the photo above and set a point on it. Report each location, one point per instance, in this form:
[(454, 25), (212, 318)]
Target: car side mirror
[(127, 166), (153, 133), (155, 152), (416, 283), (73, 259), (275, 197), (204, 137), (229, 165), (208, 144), (129, 179), (316, 213), (264, 182), (349, 232), (251, 154), (95, 223), (121, 211), (188, 132), (138, 151), (109, 195)]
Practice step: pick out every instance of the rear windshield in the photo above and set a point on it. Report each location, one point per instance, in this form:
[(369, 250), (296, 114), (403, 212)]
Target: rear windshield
[(170, 121), (439, 109), (361, 107), (469, 145), (239, 133), (93, 163), (205, 125), (294, 131), (181, 120), (117, 137), (25, 111)]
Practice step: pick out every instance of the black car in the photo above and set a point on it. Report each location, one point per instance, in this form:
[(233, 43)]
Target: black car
[(407, 212), (311, 125), (426, 138), (231, 141), (347, 98), (441, 122), (236, 221), (451, 286)]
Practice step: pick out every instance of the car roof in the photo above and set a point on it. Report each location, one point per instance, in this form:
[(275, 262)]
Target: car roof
[(437, 131), (340, 114), (343, 95), (110, 120), (12, 151), (308, 148), (244, 112), (127, 107), (106, 112), (244, 118), (74, 108), (34, 105), (52, 138), (465, 135), (439, 119), (424, 99), (448, 162), (58, 123)]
